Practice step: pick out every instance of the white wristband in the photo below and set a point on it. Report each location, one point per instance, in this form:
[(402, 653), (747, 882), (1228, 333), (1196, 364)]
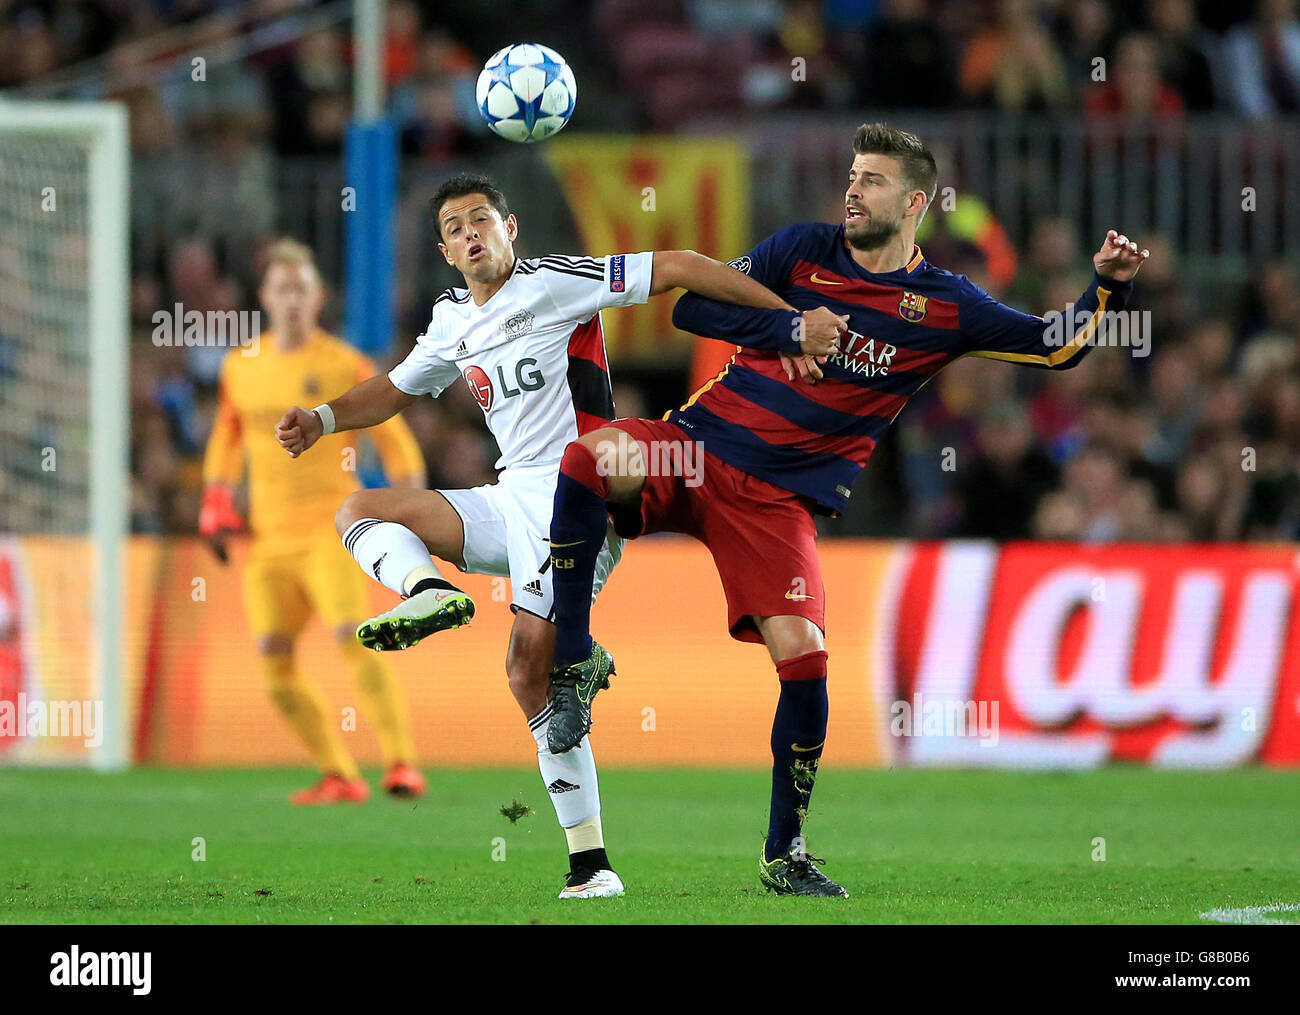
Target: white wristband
[(326, 416)]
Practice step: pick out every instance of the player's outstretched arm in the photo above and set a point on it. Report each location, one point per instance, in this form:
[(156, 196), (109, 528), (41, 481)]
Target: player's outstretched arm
[(699, 273), (780, 326), (727, 304), (1060, 340), (813, 332), (803, 341), (368, 404)]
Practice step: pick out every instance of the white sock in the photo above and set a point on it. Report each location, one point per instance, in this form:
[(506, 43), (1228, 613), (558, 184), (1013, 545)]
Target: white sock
[(575, 768), (388, 551)]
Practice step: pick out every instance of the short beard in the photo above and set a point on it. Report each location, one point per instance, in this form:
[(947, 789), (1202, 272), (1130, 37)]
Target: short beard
[(873, 236)]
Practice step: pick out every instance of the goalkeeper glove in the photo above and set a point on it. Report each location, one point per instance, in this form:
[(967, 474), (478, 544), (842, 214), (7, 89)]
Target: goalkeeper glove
[(217, 516)]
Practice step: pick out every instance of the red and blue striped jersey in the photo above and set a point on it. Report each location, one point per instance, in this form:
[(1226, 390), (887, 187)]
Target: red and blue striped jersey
[(904, 326)]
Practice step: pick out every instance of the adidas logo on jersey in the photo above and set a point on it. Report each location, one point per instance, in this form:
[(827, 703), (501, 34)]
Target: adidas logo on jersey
[(560, 786), (461, 350), (534, 586)]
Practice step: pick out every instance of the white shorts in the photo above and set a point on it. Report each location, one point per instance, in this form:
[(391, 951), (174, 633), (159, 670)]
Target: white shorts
[(507, 533)]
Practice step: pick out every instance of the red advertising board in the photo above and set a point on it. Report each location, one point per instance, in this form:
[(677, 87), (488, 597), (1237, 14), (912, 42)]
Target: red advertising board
[(1174, 656)]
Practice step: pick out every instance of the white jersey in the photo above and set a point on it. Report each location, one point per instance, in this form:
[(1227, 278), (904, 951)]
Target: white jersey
[(534, 354)]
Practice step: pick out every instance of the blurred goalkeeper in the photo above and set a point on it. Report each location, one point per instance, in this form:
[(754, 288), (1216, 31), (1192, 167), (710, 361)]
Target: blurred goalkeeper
[(296, 565)]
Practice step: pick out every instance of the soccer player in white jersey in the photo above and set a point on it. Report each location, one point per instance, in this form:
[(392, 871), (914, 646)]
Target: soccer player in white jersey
[(525, 333)]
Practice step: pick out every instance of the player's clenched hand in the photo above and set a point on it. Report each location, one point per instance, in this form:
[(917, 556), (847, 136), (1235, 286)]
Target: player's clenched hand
[(807, 367), (1119, 257), (298, 430), (820, 331)]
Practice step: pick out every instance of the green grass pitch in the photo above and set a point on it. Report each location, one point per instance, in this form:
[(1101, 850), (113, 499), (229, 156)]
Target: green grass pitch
[(911, 847)]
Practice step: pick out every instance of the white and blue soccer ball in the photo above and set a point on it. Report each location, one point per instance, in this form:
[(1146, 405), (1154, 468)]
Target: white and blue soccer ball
[(526, 92)]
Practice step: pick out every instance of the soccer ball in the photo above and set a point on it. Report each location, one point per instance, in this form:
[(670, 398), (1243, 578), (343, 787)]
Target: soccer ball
[(526, 92)]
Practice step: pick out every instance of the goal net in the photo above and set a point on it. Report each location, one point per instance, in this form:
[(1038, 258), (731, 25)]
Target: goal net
[(64, 419)]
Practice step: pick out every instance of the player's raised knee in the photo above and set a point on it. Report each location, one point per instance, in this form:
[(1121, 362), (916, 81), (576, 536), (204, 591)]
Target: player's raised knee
[(352, 510), (616, 451), (606, 461), (582, 462), (596, 440)]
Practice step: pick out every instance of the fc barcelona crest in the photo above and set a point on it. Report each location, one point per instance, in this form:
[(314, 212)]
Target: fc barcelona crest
[(912, 307)]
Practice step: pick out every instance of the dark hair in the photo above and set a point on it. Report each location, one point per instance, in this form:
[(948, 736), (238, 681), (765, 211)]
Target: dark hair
[(462, 185), (919, 169)]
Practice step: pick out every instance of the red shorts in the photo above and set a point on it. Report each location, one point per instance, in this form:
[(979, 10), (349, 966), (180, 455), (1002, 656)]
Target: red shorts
[(763, 539)]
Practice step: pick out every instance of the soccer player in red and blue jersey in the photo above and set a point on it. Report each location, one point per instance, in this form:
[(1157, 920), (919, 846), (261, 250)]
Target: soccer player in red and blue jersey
[(783, 435)]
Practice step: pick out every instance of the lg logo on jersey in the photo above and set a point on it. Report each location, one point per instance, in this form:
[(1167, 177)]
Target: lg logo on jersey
[(527, 378)]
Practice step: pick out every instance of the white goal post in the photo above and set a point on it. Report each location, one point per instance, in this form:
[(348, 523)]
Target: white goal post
[(72, 142)]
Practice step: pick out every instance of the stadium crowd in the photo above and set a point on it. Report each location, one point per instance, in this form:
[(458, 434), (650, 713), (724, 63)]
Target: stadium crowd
[(1199, 439), (1012, 55)]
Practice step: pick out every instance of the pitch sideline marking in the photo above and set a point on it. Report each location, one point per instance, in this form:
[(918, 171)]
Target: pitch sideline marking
[(1252, 914)]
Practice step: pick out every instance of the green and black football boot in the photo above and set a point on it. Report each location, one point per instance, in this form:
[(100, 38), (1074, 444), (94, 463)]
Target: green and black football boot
[(796, 874), (575, 686)]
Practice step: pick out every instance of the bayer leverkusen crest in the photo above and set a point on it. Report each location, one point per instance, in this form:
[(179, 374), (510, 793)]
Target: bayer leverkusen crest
[(912, 307)]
